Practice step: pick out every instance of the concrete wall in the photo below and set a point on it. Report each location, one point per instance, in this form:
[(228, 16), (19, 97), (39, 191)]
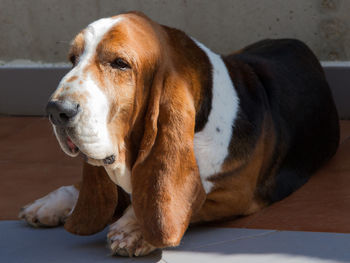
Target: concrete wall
[(34, 31), (40, 30), (22, 94)]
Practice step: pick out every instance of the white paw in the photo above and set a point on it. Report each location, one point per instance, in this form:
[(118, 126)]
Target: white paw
[(51, 210), (125, 237)]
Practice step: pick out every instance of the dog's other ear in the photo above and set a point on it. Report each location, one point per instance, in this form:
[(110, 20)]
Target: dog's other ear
[(98, 198), (166, 185)]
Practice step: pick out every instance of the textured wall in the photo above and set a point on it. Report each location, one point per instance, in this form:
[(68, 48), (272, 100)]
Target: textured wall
[(40, 30)]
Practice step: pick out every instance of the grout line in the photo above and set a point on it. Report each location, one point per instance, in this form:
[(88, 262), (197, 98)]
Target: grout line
[(238, 239)]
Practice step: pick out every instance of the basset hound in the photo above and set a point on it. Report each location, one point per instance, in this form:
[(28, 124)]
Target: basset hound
[(174, 134)]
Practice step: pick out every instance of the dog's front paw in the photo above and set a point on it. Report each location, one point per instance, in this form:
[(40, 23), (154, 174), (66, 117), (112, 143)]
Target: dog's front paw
[(125, 237), (51, 210)]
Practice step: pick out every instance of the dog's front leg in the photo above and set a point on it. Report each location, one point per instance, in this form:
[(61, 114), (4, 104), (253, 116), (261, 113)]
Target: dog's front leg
[(125, 236), (52, 209)]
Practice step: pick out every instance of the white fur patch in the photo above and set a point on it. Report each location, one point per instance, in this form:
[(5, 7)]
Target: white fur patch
[(90, 131), (93, 34), (211, 144), (125, 236), (91, 128), (52, 209), (121, 176)]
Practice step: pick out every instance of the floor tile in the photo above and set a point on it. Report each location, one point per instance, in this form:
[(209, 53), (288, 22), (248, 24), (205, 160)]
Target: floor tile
[(34, 141), (26, 182), (21, 243), (269, 246)]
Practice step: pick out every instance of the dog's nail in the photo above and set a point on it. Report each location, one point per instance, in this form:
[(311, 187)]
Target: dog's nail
[(114, 245), (122, 244)]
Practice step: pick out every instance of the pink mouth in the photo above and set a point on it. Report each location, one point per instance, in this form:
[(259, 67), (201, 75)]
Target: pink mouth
[(72, 147)]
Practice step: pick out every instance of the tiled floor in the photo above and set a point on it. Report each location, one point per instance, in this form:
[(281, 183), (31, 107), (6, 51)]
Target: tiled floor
[(20, 243), (31, 164)]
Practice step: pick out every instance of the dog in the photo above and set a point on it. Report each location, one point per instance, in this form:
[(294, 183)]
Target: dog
[(174, 134)]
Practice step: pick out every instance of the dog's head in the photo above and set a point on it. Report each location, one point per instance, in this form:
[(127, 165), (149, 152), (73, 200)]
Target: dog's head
[(129, 102), (97, 103)]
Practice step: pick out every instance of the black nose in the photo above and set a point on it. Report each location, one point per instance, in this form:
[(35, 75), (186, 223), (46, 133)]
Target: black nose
[(61, 112)]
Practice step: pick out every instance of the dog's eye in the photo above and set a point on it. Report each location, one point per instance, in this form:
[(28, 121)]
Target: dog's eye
[(120, 64), (73, 59)]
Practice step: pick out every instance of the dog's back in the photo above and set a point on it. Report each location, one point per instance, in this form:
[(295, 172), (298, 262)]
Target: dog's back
[(299, 99)]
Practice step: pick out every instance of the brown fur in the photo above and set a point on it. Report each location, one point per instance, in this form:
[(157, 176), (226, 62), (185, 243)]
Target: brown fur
[(166, 166), (77, 47), (97, 201), (234, 191)]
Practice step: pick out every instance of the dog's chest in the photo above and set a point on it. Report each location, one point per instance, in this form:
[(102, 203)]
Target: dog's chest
[(121, 176), (211, 149), (212, 142)]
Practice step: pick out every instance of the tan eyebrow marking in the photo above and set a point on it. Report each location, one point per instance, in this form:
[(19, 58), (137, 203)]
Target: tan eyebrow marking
[(78, 45)]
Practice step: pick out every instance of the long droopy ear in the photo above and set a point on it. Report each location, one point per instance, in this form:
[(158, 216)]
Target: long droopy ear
[(97, 202), (166, 187)]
